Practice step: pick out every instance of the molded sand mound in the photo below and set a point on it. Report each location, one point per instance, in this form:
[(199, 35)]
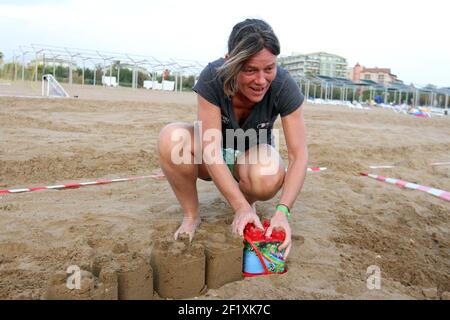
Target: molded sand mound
[(91, 288), (124, 276), (223, 259), (223, 252), (134, 275), (135, 278), (179, 269)]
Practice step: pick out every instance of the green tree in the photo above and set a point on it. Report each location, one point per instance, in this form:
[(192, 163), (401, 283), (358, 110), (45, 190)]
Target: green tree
[(126, 76), (188, 82)]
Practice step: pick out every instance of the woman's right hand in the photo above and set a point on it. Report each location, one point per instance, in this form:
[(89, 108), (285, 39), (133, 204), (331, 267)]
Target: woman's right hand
[(242, 217), (188, 227)]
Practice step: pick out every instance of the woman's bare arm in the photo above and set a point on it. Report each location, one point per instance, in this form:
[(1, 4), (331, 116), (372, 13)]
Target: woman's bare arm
[(210, 118)]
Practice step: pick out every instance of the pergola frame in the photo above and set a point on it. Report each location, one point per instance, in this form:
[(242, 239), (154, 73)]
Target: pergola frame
[(74, 57), (401, 92)]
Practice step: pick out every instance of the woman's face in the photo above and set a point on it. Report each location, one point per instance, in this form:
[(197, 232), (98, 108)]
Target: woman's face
[(256, 75)]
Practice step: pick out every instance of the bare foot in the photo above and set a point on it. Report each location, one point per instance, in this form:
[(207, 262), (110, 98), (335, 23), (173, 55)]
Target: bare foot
[(188, 226)]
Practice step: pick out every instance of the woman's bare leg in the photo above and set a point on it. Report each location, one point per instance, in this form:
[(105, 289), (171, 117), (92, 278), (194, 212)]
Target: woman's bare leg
[(176, 154)]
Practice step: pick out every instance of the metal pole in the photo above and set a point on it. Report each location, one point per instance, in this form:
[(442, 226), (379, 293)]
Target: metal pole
[(95, 73), (181, 82), (446, 105), (305, 86), (23, 66), (82, 80), (118, 74), (15, 66), (70, 71), (307, 89), (136, 74), (136, 78), (103, 71), (321, 90), (43, 63), (176, 81), (35, 67)]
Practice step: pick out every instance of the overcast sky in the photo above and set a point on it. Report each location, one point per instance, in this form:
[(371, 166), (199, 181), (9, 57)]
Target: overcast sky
[(410, 37)]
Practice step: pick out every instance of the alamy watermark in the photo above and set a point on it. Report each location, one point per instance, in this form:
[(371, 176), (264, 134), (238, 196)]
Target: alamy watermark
[(74, 279), (374, 277)]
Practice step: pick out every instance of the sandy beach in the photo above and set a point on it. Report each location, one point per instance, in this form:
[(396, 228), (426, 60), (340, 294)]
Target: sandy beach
[(342, 222)]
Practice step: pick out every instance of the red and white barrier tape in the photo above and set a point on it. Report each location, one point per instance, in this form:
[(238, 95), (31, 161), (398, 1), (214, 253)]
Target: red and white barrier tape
[(82, 184), (405, 184), (393, 166), (316, 169), (441, 164), (382, 167), (101, 181), (313, 169)]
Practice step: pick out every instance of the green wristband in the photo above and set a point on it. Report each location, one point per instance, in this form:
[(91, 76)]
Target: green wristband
[(284, 209)]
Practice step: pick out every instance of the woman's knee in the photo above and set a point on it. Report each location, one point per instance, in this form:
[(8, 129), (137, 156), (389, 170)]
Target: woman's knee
[(176, 135), (264, 178), (260, 186)]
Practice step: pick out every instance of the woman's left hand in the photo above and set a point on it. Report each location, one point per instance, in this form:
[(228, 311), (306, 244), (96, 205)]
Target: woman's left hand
[(279, 220)]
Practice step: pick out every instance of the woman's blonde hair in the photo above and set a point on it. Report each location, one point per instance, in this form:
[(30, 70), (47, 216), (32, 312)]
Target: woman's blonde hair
[(246, 39)]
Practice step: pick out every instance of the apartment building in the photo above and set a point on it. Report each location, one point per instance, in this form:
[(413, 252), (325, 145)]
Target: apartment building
[(382, 76), (317, 63)]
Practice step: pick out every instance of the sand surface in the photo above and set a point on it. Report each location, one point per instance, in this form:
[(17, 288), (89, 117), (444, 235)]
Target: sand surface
[(342, 222)]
